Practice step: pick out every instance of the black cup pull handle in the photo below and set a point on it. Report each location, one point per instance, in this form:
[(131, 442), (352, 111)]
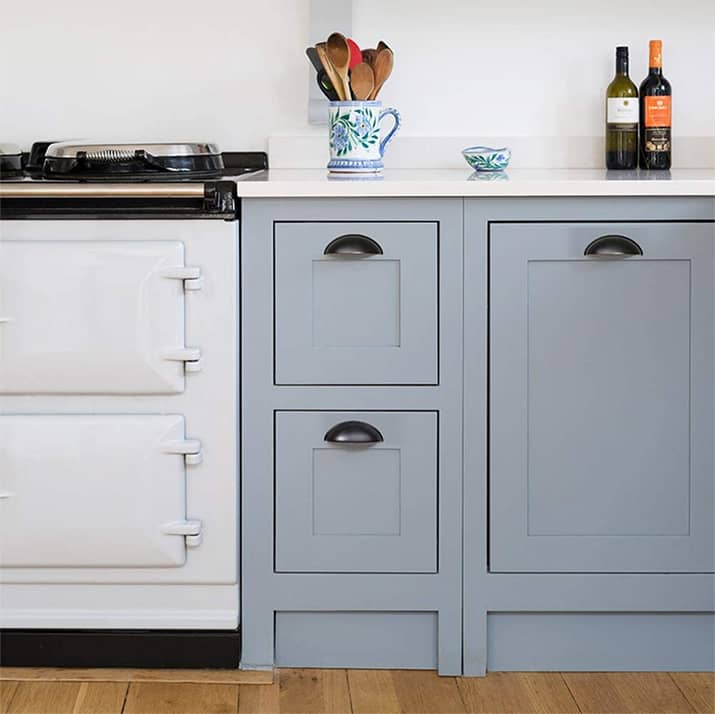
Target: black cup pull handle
[(353, 244), (613, 246), (353, 432)]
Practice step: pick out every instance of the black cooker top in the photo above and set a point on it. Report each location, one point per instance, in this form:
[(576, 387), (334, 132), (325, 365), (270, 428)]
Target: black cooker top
[(126, 162)]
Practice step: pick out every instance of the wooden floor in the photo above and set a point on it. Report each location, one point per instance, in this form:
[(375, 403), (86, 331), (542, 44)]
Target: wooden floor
[(339, 691)]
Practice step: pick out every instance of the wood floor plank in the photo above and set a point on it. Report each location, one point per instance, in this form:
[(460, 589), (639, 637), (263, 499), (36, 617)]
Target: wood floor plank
[(372, 692), (517, 693), (425, 692), (259, 700), (172, 698), (44, 698), (314, 691), (7, 690), (698, 688), (626, 693), (200, 676), (100, 698)]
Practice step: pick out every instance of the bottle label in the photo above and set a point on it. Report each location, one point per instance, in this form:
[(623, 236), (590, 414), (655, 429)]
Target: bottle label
[(622, 110), (657, 139), (657, 111)]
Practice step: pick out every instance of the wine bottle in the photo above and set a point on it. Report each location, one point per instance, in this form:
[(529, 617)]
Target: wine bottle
[(655, 113), (621, 117)]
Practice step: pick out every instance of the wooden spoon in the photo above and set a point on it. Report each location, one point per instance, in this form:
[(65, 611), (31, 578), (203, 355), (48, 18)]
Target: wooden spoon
[(368, 56), (330, 70), (339, 54), (384, 63), (362, 81)]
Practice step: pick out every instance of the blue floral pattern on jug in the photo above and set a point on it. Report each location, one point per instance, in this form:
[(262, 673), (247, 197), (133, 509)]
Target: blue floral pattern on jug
[(484, 158), (354, 136), (353, 128)]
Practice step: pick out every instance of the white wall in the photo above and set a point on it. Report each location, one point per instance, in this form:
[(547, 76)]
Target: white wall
[(472, 68), (132, 69), (536, 67)]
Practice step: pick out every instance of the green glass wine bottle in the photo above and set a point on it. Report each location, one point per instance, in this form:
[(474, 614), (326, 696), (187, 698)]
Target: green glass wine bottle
[(621, 117)]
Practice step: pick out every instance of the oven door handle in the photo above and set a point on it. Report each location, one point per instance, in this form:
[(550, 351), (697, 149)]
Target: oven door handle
[(102, 190)]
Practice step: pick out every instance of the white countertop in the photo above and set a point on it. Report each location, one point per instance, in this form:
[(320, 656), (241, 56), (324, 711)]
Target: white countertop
[(311, 183)]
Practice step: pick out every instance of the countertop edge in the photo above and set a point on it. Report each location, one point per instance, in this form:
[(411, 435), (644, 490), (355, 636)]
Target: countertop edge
[(323, 187)]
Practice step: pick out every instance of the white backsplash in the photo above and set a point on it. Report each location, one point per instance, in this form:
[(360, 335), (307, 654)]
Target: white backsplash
[(310, 151)]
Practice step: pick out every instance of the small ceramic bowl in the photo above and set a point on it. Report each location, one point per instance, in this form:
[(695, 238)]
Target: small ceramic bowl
[(484, 158)]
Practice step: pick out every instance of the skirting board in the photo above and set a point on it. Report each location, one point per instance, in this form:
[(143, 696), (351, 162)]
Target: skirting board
[(189, 676), (165, 649), (373, 640), (601, 642)]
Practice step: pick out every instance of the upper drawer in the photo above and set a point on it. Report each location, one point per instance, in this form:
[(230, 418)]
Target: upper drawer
[(356, 303), (93, 317)]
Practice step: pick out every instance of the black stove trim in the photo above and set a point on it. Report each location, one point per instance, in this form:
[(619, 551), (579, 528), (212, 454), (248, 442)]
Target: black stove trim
[(156, 649), (220, 201)]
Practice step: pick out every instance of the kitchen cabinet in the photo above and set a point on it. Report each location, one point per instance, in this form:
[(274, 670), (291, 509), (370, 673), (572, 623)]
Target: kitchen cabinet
[(351, 459), (588, 434), (570, 363), (356, 302), (601, 397)]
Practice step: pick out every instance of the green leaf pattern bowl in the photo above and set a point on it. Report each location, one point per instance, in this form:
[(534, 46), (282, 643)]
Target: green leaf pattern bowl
[(484, 158)]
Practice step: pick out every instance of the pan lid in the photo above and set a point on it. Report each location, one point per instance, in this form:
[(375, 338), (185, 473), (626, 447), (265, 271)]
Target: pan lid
[(73, 149), (10, 150)]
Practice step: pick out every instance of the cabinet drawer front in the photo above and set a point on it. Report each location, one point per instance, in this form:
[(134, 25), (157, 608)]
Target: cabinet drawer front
[(601, 416), (91, 491), (91, 317), (356, 303), (356, 506)]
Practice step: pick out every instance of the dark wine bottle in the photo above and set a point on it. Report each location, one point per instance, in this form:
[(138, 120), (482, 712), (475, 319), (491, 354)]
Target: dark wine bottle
[(655, 114), (621, 117)]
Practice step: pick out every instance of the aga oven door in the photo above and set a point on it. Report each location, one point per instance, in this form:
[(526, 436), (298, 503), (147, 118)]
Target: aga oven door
[(91, 491), (92, 316)]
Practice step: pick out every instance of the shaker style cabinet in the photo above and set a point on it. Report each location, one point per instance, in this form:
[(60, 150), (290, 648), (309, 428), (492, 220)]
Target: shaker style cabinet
[(351, 433), (601, 397)]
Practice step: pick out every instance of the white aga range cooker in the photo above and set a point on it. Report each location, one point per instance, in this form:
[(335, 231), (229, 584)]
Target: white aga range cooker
[(118, 406)]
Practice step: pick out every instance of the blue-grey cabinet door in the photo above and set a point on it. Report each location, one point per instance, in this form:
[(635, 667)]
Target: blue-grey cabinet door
[(356, 303), (601, 397), (356, 492)]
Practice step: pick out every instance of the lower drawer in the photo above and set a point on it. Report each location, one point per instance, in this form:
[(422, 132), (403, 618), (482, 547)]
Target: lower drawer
[(356, 492)]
